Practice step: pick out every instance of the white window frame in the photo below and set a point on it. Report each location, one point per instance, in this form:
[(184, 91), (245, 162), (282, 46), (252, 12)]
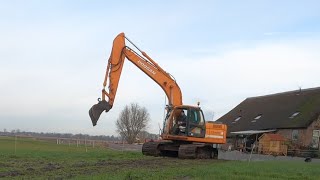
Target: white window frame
[(315, 139), (295, 136), (237, 119), (294, 114), (316, 133), (258, 117)]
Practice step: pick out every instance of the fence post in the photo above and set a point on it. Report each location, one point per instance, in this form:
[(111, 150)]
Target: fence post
[(85, 143), (251, 152), (15, 144)]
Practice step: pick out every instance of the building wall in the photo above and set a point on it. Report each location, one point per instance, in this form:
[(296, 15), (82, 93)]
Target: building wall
[(309, 131), (285, 133), (304, 137)]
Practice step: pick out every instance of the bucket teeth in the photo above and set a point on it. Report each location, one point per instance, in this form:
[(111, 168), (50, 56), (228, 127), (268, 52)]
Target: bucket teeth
[(96, 110)]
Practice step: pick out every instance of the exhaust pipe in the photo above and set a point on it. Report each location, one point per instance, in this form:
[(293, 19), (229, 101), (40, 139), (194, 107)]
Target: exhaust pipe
[(96, 110)]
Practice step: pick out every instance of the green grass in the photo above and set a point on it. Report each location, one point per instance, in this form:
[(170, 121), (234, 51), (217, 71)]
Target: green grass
[(35, 149), (220, 170), (47, 160)]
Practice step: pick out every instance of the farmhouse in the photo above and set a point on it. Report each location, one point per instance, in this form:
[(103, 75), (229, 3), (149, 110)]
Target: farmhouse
[(293, 114)]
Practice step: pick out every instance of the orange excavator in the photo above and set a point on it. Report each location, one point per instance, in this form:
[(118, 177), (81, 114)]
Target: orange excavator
[(185, 132)]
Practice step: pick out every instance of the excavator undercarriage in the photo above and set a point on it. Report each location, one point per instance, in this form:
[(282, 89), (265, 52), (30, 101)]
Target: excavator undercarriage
[(180, 149)]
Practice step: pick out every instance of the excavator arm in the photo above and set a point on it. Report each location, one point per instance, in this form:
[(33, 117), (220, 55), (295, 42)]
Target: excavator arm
[(119, 53)]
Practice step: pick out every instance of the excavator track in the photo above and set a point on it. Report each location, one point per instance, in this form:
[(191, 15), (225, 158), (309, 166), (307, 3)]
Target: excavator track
[(183, 151), (187, 151), (151, 149), (197, 151)]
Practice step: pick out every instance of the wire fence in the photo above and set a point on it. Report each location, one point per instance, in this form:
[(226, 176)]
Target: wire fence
[(17, 140)]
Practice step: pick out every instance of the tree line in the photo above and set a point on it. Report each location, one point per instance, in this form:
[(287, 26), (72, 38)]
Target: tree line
[(18, 132), (131, 126)]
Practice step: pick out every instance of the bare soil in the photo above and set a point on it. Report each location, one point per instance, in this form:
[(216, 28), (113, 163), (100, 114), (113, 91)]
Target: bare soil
[(54, 170)]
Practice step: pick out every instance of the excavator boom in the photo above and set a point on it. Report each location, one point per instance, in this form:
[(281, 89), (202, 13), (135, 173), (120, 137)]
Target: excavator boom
[(119, 53)]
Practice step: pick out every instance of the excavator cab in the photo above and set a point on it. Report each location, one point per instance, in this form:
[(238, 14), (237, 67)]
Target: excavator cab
[(185, 121)]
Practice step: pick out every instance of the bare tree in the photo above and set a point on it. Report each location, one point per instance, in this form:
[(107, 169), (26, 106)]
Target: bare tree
[(131, 121)]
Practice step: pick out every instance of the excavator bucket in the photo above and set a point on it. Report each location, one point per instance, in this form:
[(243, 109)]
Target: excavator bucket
[(97, 109)]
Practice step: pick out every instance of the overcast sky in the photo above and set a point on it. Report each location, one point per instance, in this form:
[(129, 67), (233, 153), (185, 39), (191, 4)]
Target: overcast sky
[(53, 56)]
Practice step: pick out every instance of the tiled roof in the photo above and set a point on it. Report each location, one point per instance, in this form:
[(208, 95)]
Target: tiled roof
[(294, 109)]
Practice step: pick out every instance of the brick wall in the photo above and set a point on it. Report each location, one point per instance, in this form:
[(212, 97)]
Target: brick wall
[(304, 135), (309, 131), (287, 133)]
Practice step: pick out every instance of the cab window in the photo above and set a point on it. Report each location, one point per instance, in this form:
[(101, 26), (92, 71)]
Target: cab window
[(196, 123)]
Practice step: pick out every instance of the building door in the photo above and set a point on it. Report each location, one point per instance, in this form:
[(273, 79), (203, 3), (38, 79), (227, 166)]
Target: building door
[(315, 139)]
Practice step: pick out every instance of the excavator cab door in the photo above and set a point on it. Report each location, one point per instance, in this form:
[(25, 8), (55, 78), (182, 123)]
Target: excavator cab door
[(195, 123), (185, 122)]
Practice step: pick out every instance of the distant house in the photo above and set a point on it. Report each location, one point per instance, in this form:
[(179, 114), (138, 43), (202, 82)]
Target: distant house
[(294, 115)]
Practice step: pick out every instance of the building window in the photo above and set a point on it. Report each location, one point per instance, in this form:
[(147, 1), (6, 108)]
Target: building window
[(294, 115), (258, 117), (315, 139), (295, 135), (237, 119)]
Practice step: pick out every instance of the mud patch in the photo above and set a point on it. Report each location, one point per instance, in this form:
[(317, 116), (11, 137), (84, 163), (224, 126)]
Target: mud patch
[(101, 163), (30, 169), (67, 170), (4, 165), (183, 178), (51, 167), (10, 173), (80, 164), (148, 163)]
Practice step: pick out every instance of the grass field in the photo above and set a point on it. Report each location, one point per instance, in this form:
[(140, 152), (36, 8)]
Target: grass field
[(45, 160)]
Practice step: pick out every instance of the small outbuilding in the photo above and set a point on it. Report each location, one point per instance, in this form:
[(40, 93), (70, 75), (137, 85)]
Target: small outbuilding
[(274, 144)]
